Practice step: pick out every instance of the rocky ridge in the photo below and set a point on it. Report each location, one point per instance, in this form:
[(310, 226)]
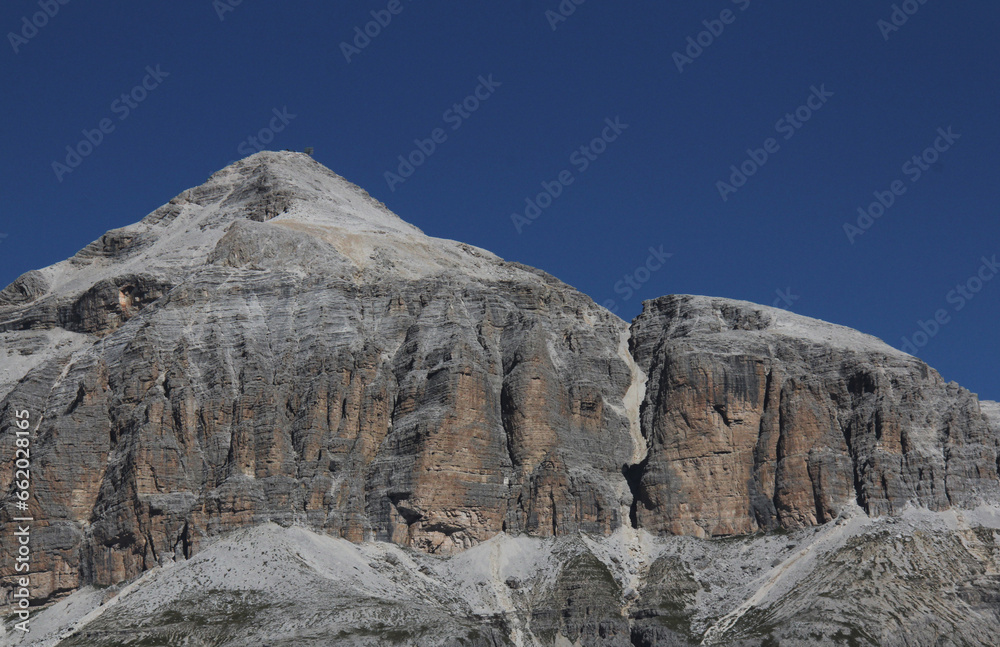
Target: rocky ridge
[(275, 346)]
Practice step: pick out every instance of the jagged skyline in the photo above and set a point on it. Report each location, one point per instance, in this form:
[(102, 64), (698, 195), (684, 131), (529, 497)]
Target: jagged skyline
[(785, 154)]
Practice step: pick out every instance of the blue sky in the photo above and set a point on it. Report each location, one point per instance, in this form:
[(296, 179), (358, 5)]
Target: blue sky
[(836, 102)]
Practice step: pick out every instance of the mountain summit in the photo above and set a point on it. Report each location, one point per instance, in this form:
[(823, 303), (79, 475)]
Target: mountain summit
[(274, 359)]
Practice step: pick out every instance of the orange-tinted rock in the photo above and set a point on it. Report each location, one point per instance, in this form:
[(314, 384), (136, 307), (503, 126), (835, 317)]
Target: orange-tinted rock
[(758, 418), (276, 346)]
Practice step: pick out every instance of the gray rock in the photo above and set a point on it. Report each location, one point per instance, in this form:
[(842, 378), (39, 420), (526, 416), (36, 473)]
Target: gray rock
[(757, 418), (276, 347)]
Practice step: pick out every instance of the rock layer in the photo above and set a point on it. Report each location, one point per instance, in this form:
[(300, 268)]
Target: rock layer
[(757, 418), (275, 345), (323, 364)]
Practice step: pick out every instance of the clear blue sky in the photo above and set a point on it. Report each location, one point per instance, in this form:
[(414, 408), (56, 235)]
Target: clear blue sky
[(220, 80)]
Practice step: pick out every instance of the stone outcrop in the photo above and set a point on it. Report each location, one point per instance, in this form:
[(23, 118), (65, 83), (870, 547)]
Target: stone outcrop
[(757, 418), (309, 360), (276, 346)]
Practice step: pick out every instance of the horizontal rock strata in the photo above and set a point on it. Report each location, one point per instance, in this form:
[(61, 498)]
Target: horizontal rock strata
[(277, 346)]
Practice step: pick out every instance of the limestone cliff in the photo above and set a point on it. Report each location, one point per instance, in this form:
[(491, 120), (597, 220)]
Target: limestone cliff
[(757, 418), (276, 346)]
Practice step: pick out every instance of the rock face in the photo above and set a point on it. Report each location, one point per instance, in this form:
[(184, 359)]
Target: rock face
[(757, 419), (275, 346)]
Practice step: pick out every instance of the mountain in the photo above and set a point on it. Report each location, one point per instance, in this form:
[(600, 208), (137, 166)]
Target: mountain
[(273, 411)]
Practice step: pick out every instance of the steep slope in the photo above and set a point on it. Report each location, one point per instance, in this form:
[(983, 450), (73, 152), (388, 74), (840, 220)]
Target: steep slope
[(276, 347), (923, 578), (757, 418), (992, 412)]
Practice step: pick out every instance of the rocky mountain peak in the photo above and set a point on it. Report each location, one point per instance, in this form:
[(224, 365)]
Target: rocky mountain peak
[(276, 346), (279, 212), (270, 184)]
